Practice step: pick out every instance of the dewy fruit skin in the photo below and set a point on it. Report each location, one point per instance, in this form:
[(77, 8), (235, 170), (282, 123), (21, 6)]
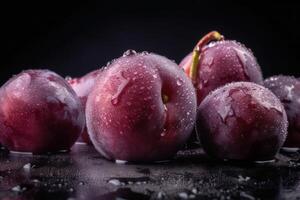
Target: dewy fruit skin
[(287, 89), (215, 62), (83, 86), (142, 109), (39, 112), (242, 121)]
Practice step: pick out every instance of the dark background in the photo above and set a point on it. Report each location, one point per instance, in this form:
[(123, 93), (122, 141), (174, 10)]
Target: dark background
[(75, 38)]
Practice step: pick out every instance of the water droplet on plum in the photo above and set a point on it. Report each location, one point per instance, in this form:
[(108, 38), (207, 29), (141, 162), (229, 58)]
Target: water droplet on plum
[(121, 87), (129, 52), (179, 82), (144, 53), (68, 78)]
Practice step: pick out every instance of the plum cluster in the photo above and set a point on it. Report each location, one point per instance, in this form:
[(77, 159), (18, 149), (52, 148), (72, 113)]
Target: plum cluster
[(144, 107)]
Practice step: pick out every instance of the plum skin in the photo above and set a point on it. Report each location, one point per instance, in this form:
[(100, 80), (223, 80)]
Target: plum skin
[(39, 112), (287, 89), (242, 121), (223, 62), (82, 87), (142, 109)]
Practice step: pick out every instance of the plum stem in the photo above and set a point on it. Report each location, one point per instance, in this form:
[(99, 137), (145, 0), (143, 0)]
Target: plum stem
[(211, 36), (165, 98)]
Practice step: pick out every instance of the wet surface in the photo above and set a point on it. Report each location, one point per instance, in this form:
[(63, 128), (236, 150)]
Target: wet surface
[(83, 174)]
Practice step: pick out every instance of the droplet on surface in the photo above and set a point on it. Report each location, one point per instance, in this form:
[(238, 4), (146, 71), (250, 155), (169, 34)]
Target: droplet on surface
[(289, 92), (27, 167), (81, 183), (179, 82), (163, 133), (121, 161), (144, 53), (115, 182), (68, 78), (18, 188), (243, 179), (129, 52), (115, 97), (183, 195)]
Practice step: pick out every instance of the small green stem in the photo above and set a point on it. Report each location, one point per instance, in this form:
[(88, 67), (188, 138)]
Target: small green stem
[(211, 36)]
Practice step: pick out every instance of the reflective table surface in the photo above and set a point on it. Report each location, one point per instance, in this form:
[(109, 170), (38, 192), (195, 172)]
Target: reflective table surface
[(83, 174)]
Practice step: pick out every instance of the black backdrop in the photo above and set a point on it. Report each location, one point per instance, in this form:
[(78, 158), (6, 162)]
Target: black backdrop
[(75, 38)]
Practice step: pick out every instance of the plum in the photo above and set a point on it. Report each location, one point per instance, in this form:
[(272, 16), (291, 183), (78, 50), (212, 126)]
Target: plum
[(287, 89), (39, 112), (215, 62), (242, 121), (142, 109), (83, 86)]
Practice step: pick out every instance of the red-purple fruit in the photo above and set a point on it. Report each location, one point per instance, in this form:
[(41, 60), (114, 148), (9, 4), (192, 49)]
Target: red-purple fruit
[(242, 121), (215, 62), (39, 112), (287, 89), (83, 86), (143, 108)]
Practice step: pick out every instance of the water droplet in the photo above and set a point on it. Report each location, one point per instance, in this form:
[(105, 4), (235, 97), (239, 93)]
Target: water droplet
[(27, 167), (68, 78), (161, 195), (144, 53), (289, 90), (129, 181), (244, 195), (225, 112), (121, 87), (108, 63), (120, 161), (179, 82), (211, 44), (194, 190), (81, 183), (129, 52), (243, 179), (35, 181), (154, 76), (183, 195), (115, 182), (163, 133), (18, 188)]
